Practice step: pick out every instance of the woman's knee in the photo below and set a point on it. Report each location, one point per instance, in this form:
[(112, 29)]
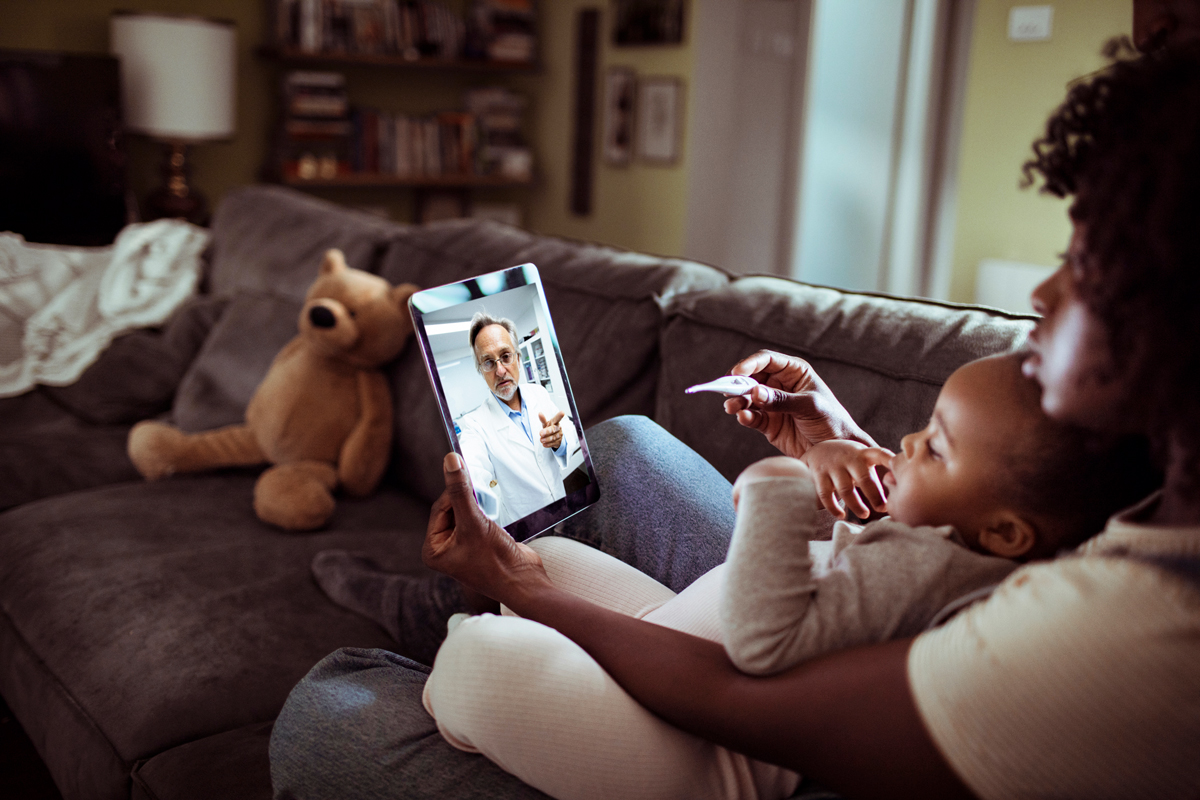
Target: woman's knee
[(613, 438), (327, 730)]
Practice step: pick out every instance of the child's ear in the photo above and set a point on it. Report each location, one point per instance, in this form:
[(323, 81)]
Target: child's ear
[(1008, 536)]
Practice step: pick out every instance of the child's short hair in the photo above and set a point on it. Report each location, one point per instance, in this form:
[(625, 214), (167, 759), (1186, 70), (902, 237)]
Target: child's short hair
[(1071, 480)]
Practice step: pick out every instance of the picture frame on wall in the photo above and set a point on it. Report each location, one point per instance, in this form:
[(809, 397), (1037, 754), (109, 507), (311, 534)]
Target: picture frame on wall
[(620, 100), (659, 119), (647, 22)]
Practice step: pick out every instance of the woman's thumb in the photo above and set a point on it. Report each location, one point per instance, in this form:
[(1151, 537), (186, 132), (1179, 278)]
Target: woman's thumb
[(770, 399), (458, 483)]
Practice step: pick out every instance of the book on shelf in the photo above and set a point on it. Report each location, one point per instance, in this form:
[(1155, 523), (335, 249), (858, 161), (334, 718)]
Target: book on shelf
[(322, 137), (311, 94), (316, 129), (493, 30), (399, 145), (502, 146)]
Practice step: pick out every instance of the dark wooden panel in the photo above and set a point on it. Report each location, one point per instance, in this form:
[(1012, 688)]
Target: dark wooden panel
[(587, 35)]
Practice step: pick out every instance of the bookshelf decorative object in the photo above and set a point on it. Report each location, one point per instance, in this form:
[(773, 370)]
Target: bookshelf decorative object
[(324, 140)]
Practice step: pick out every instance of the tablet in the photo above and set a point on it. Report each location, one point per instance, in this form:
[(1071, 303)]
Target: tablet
[(497, 371)]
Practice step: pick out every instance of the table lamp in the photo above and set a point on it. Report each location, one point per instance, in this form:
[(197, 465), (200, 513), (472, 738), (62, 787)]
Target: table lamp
[(178, 78)]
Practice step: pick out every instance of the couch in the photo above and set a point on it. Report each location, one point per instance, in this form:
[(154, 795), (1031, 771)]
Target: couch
[(151, 631)]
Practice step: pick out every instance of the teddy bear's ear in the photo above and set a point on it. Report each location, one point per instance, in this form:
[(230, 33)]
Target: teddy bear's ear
[(400, 294), (334, 262)]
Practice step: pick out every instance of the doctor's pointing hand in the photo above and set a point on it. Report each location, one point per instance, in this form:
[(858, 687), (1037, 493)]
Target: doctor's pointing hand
[(551, 434)]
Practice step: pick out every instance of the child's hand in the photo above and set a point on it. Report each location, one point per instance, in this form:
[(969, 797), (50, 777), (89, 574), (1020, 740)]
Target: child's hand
[(773, 467), (845, 475)]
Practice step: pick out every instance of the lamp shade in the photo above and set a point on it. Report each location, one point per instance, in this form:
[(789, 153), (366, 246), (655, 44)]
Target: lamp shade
[(178, 75)]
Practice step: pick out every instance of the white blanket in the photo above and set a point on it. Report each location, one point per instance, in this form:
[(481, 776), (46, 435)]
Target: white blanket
[(61, 306)]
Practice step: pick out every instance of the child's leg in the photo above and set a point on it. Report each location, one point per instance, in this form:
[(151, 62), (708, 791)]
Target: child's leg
[(537, 705)]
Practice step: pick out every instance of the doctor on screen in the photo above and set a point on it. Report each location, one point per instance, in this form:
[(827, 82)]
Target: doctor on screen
[(516, 444)]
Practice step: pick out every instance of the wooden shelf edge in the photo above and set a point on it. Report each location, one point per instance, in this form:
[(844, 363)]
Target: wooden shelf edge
[(372, 180), (296, 55)]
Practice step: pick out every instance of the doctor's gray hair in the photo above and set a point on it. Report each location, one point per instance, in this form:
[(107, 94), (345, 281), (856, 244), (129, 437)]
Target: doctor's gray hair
[(481, 320)]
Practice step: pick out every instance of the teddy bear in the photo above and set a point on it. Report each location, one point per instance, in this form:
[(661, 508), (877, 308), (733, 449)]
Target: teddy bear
[(322, 416)]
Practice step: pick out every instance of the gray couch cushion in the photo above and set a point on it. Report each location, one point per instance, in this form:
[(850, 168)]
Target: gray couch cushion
[(137, 375), (46, 450), (56, 439), (271, 239), (885, 358), (236, 355), (604, 303), (141, 616)]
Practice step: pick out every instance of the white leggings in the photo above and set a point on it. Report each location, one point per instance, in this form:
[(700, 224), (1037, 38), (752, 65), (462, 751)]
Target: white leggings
[(537, 705)]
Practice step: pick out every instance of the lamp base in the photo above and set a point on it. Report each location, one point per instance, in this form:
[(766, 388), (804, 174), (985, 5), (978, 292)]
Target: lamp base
[(175, 198)]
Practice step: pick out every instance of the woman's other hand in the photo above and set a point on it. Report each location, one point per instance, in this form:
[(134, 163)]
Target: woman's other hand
[(793, 407), (463, 543), (846, 478)]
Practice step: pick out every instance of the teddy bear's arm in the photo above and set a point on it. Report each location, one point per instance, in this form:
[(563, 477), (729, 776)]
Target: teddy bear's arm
[(365, 453)]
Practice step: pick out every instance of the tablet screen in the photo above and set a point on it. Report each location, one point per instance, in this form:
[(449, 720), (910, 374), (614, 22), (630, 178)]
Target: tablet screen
[(495, 365)]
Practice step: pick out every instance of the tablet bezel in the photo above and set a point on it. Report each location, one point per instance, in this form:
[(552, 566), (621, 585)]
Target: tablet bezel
[(439, 298)]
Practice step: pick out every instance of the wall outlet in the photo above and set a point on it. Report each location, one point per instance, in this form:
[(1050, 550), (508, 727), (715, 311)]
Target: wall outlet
[(1030, 23)]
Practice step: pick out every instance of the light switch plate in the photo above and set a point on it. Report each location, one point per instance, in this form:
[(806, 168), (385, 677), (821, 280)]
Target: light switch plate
[(1030, 23)]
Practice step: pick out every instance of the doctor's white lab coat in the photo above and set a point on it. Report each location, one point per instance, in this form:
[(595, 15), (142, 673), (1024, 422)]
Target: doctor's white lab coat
[(524, 475)]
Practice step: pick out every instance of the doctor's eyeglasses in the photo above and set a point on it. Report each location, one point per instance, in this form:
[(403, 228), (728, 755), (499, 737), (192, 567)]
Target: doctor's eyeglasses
[(489, 364)]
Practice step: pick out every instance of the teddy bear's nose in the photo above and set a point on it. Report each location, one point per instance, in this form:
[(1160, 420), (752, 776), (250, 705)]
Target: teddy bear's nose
[(322, 317)]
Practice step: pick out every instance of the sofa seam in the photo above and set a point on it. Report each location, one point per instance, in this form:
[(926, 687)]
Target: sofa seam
[(137, 764), (1015, 316), (135, 777)]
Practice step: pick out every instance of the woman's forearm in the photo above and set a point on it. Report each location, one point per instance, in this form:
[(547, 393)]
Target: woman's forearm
[(846, 720)]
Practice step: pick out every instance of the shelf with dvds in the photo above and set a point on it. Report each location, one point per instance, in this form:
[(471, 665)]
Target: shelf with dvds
[(294, 55), (353, 179), (326, 141)]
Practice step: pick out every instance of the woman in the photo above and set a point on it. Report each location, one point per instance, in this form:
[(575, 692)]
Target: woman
[(1076, 679)]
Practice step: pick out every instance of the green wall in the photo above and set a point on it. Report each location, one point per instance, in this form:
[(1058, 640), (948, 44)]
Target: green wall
[(1011, 88), (637, 207)]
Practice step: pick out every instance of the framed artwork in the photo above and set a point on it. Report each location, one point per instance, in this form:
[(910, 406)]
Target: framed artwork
[(641, 22), (659, 119), (620, 97)]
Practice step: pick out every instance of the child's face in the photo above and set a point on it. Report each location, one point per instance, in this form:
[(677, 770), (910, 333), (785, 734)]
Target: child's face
[(947, 474)]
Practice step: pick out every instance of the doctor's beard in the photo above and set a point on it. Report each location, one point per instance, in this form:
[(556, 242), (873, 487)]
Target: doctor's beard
[(507, 394)]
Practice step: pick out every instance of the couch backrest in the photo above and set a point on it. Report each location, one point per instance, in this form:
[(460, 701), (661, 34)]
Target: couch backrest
[(885, 358), (270, 239), (635, 330)]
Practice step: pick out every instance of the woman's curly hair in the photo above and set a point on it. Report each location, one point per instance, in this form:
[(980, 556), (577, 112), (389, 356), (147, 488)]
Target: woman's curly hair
[(1126, 144)]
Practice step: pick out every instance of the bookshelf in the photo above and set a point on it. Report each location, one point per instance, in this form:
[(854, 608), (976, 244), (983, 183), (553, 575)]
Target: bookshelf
[(464, 133), (368, 179), (294, 55)]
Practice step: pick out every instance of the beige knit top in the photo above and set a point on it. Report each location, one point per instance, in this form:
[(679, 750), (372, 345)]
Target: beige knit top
[(1078, 678)]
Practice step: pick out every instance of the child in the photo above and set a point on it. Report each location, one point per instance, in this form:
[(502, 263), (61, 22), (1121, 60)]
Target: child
[(1002, 482), (998, 479)]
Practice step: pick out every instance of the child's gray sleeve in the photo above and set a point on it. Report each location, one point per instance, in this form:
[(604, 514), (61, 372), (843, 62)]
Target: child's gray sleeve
[(775, 612), (768, 580)]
